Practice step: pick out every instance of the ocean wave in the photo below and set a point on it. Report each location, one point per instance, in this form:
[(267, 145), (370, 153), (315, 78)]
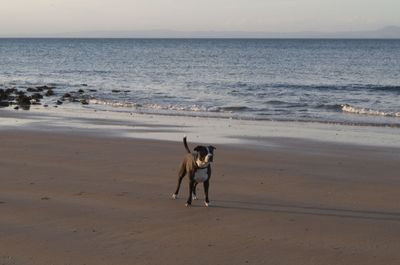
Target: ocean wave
[(114, 103), (152, 106), (381, 88), (239, 88), (365, 111), (230, 109), (287, 104), (170, 107)]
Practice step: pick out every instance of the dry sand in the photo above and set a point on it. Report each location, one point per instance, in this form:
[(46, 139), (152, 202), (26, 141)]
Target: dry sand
[(85, 199)]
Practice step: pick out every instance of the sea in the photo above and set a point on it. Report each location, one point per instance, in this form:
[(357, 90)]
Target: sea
[(341, 81)]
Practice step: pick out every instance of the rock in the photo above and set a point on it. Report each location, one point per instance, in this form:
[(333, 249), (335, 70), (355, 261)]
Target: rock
[(23, 101), (3, 94), (49, 93), (10, 91), (67, 95), (37, 96), (81, 91), (59, 102), (44, 87), (84, 102), (4, 104), (20, 93), (116, 91), (16, 108), (31, 89), (84, 85), (93, 90)]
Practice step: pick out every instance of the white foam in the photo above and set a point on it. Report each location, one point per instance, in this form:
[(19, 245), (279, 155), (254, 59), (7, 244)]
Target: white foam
[(113, 103), (365, 111), (127, 104)]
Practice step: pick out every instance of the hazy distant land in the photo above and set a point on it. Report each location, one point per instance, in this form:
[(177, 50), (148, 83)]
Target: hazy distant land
[(389, 32)]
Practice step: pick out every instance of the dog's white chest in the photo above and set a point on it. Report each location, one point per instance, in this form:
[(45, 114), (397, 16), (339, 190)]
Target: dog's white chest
[(201, 175)]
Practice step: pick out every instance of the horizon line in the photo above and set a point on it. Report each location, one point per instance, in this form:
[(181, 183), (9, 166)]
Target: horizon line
[(387, 32)]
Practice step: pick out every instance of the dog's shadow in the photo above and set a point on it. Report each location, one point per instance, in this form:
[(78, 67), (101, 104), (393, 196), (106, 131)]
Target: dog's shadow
[(306, 210)]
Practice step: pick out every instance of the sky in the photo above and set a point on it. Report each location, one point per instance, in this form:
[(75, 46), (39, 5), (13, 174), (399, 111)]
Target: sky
[(35, 17)]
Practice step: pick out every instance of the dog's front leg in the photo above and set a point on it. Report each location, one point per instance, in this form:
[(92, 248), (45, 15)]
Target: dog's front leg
[(191, 187), (194, 191), (206, 185)]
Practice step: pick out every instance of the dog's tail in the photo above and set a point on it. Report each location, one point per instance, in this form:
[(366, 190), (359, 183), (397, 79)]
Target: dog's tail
[(186, 145)]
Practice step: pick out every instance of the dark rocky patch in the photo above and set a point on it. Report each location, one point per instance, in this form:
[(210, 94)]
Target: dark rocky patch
[(116, 91), (31, 89), (2, 94), (4, 104), (10, 91), (20, 93), (45, 87), (37, 96), (23, 101), (66, 95), (49, 93)]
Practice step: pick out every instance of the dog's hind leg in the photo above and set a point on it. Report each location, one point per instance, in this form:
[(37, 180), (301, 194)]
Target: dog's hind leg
[(181, 175)]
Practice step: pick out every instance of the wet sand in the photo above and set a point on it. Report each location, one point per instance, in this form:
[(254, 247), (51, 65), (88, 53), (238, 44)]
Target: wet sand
[(87, 199)]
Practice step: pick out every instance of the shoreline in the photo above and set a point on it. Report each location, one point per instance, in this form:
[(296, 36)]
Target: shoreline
[(205, 129)]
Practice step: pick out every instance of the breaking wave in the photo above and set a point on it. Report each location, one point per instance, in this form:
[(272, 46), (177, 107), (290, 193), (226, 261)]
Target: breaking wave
[(151, 106), (366, 111), (114, 103)]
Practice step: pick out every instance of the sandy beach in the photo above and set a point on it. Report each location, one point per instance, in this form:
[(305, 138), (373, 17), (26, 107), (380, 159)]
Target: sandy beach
[(83, 198)]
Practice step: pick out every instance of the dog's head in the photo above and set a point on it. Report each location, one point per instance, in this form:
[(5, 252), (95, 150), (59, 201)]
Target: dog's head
[(205, 153)]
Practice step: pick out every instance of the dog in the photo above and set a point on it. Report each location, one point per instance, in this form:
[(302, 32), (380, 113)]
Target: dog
[(197, 166)]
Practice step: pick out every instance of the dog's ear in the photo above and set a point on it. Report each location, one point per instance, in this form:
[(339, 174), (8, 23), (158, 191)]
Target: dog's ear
[(197, 148)]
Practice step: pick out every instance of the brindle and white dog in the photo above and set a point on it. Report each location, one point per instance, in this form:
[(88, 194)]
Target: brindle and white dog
[(197, 166)]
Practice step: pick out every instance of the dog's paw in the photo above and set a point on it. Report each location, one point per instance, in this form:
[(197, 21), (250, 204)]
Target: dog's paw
[(174, 196), (188, 204), (207, 204), (194, 197)]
